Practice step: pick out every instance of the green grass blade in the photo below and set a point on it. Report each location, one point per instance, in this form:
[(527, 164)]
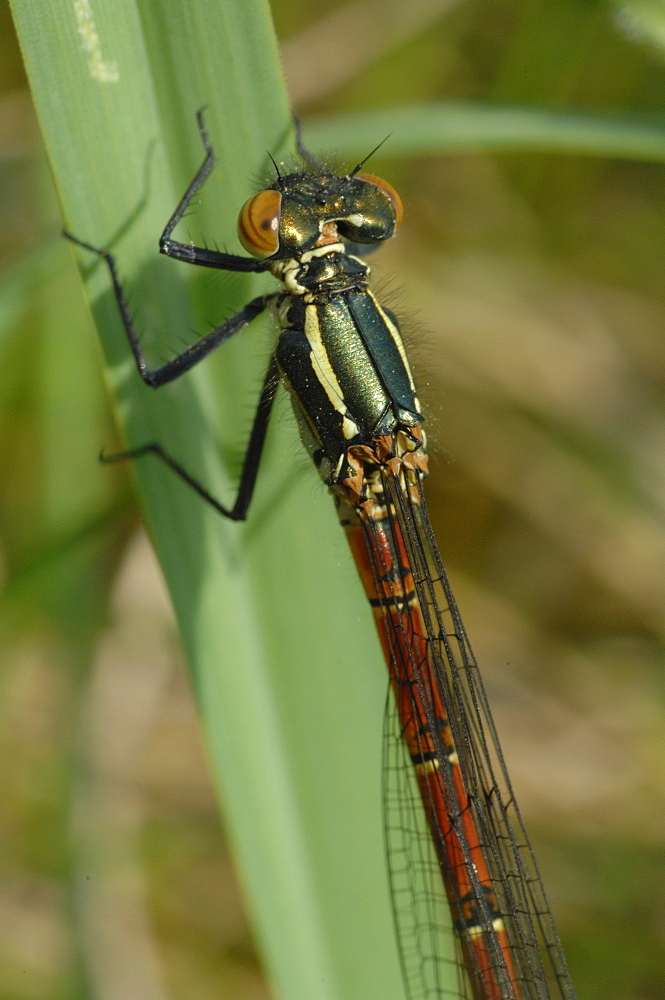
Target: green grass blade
[(452, 127), (645, 20), (271, 614)]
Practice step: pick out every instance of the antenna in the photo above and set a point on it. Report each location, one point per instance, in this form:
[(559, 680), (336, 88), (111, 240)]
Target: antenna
[(362, 163)]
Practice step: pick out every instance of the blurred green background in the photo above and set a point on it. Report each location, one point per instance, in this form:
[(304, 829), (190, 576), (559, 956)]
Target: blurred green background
[(531, 286)]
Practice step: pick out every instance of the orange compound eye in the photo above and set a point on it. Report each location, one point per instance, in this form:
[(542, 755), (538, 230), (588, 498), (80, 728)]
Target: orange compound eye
[(258, 223), (387, 189)]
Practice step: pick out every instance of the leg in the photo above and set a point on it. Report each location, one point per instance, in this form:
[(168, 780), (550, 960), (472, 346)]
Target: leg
[(202, 255), (250, 465), (201, 349), (312, 162)]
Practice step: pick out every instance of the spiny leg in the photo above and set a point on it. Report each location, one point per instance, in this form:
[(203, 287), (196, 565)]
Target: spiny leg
[(251, 461), (188, 251), (173, 369)]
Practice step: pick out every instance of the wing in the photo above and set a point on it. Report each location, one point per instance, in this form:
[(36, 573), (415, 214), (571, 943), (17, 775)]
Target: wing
[(482, 862)]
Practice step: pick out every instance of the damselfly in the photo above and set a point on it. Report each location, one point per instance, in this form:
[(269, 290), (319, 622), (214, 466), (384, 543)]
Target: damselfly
[(341, 356)]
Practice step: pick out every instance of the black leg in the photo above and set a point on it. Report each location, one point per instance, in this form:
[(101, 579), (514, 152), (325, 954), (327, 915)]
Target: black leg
[(192, 355), (202, 255), (312, 162), (251, 461)]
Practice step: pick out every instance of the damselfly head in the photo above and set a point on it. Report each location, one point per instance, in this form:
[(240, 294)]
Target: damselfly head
[(303, 211)]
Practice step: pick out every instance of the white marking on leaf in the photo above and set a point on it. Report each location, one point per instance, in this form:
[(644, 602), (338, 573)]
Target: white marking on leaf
[(103, 70)]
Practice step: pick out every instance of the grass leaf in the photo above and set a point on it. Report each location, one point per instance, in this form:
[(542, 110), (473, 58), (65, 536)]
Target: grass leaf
[(271, 614)]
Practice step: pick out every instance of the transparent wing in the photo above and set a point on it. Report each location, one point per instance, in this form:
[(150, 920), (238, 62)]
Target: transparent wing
[(481, 861), (428, 947)]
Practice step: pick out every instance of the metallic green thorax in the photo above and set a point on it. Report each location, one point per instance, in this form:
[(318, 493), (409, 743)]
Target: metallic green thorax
[(341, 357)]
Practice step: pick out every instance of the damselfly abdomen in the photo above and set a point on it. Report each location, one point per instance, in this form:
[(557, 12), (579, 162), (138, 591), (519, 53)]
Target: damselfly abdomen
[(341, 356)]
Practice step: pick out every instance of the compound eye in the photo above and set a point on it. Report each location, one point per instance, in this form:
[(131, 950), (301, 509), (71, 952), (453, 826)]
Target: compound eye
[(258, 224), (387, 189)]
